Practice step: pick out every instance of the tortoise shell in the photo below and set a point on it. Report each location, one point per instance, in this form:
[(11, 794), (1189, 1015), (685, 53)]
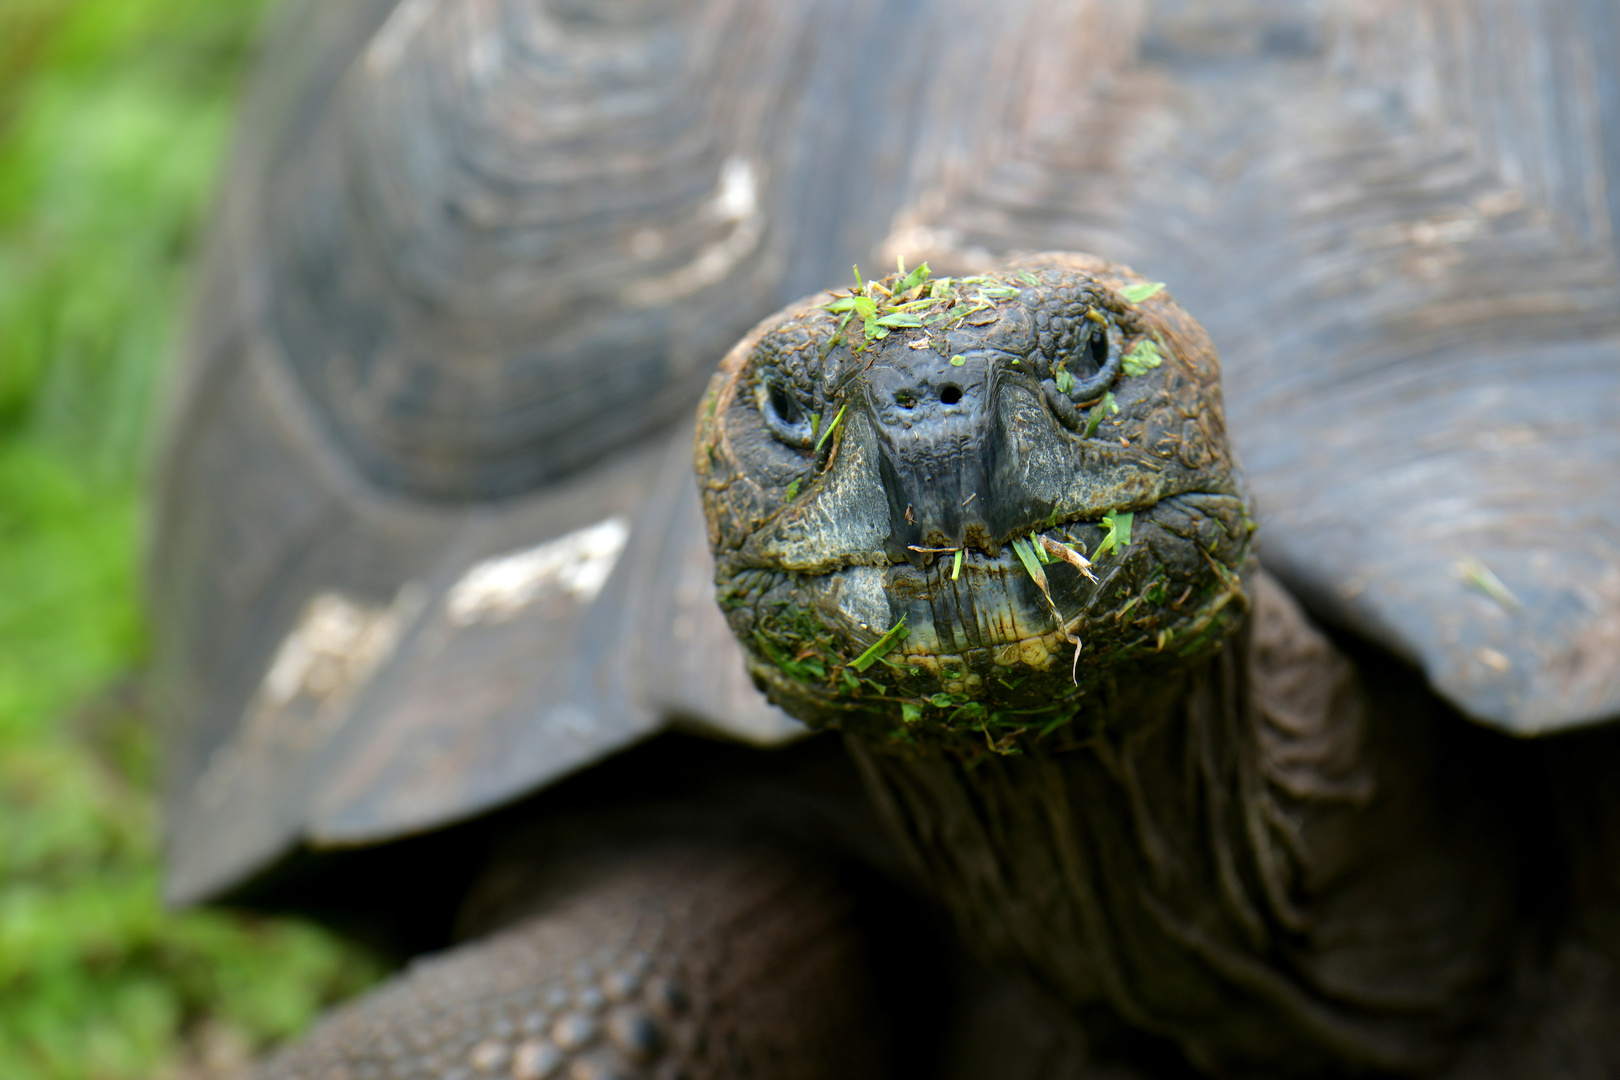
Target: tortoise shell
[(427, 538)]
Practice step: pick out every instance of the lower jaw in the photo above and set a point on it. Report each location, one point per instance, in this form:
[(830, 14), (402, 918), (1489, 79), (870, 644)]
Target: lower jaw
[(984, 649)]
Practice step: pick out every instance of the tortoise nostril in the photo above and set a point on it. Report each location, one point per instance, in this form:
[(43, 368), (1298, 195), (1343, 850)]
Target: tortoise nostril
[(951, 395)]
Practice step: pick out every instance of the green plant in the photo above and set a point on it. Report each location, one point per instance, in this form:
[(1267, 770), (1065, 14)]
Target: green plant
[(113, 118)]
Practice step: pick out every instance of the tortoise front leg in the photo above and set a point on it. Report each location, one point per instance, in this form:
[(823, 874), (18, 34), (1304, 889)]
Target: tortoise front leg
[(683, 960)]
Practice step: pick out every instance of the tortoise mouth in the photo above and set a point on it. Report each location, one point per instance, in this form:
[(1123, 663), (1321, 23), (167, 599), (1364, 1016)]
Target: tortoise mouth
[(995, 639)]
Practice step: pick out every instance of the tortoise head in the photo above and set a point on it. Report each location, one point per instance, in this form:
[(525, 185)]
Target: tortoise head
[(968, 503)]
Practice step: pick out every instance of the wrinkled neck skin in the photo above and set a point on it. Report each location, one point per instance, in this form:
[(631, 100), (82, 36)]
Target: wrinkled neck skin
[(1247, 858)]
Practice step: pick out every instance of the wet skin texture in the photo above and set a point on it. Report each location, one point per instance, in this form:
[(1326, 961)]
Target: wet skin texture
[(844, 463)]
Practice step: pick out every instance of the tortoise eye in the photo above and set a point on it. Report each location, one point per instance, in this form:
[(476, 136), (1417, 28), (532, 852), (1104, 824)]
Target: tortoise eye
[(786, 409), (1103, 362), (1098, 347), (782, 410)]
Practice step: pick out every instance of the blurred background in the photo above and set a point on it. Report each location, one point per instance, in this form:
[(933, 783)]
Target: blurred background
[(114, 119)]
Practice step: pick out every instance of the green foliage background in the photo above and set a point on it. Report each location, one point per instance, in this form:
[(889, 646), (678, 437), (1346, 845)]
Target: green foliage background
[(114, 115)]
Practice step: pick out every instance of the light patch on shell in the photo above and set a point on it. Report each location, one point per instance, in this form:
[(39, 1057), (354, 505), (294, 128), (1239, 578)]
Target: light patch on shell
[(318, 670), (736, 201), (485, 58), (335, 647), (577, 564), (739, 191)]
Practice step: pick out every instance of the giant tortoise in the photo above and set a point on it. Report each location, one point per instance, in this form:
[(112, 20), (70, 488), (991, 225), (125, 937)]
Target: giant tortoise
[(1162, 754)]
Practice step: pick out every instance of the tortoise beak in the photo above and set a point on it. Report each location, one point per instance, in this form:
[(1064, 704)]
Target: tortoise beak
[(938, 446)]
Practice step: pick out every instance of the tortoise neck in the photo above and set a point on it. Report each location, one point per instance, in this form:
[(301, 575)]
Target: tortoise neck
[(1076, 858), (1159, 865)]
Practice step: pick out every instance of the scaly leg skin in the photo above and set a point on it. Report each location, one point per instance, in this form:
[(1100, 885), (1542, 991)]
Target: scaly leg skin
[(695, 961)]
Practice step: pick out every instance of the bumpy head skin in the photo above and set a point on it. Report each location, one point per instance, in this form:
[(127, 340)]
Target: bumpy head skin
[(904, 486)]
